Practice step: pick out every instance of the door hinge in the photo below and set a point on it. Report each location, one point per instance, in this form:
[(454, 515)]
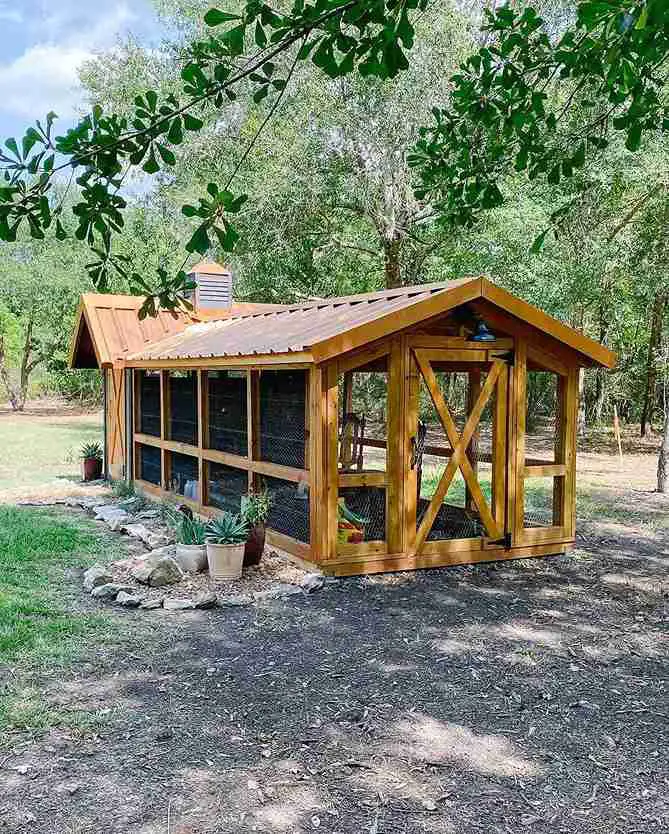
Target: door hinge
[(505, 540), (509, 356)]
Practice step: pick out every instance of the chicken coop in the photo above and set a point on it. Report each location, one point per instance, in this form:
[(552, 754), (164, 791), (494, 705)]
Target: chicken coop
[(418, 427)]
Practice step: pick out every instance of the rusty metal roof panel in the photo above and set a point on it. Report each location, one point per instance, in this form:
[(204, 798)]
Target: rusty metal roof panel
[(294, 329)]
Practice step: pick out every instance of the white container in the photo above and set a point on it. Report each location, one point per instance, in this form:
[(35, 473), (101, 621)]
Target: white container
[(191, 558), (225, 560)]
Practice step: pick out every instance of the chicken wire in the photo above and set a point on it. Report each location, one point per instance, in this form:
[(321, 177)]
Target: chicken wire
[(184, 475), (149, 464), (228, 428), (149, 403), (289, 507), (226, 486), (282, 417), (183, 407), (363, 514)]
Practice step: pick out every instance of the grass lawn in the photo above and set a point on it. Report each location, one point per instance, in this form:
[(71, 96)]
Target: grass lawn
[(40, 623), (41, 449)]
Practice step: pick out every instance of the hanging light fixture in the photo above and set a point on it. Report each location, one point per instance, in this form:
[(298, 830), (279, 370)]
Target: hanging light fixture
[(482, 334)]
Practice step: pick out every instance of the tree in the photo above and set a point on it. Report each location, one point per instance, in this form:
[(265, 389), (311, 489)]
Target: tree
[(611, 64)]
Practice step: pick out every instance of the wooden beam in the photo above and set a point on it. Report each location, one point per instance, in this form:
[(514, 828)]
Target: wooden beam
[(286, 361), (365, 356), (410, 430), (360, 479), (518, 431), (544, 470), (332, 458)]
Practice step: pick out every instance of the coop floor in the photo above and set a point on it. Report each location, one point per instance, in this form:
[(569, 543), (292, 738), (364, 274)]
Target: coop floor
[(521, 696)]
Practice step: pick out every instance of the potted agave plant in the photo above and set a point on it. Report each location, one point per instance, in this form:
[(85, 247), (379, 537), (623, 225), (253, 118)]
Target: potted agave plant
[(255, 509), (226, 537), (189, 535), (91, 456)]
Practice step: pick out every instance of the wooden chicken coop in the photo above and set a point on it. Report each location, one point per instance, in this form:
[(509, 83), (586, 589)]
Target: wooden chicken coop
[(418, 427)]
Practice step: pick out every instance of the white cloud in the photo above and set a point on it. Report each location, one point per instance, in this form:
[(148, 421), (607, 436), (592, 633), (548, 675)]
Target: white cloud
[(43, 78)]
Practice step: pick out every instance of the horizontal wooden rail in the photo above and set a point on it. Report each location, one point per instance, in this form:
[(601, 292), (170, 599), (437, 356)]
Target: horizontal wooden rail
[(544, 470)]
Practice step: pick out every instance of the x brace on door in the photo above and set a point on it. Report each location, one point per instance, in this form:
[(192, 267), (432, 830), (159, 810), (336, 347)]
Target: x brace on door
[(459, 443)]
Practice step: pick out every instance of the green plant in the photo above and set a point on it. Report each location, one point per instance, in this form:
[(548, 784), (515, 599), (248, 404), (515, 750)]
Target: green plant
[(255, 507), (123, 489), (227, 529), (187, 529), (91, 451)]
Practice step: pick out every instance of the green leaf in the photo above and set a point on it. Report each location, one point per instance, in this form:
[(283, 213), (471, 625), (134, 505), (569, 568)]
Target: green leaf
[(260, 94), (633, 137), (166, 155), (537, 246), (192, 123), (260, 36), (151, 165), (199, 242), (215, 17), (234, 39), (175, 134)]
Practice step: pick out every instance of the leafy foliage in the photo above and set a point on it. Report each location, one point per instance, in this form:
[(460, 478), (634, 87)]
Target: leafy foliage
[(504, 113), (227, 528)]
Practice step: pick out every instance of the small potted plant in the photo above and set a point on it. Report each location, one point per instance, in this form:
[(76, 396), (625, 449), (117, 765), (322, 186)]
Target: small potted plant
[(189, 534), (91, 455), (255, 509), (226, 537)]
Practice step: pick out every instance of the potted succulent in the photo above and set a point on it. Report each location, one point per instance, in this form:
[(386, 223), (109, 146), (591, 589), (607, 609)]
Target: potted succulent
[(226, 537), (255, 509), (91, 456), (189, 535)]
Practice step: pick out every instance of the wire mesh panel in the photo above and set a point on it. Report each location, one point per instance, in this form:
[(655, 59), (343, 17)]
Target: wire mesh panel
[(540, 508), (289, 508), (361, 514), (282, 417), (228, 429), (183, 406), (541, 416), (225, 486), (183, 475), (363, 410), (149, 464), (149, 402)]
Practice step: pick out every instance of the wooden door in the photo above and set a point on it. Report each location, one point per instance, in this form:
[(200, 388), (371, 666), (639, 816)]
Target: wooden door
[(458, 442)]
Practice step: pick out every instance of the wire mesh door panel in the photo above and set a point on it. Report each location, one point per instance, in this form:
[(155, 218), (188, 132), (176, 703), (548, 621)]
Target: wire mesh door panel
[(460, 463)]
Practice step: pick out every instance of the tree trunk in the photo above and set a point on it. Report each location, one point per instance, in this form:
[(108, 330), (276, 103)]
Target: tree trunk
[(6, 381), (651, 367), (663, 460), (391, 262)]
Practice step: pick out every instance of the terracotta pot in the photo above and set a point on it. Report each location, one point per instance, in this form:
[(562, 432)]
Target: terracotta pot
[(92, 469), (225, 560), (191, 558), (255, 545)]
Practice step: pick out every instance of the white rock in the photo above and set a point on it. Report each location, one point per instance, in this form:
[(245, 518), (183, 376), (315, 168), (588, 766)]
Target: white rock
[(96, 575), (204, 599), (278, 591), (235, 600), (105, 512), (312, 582), (128, 600), (157, 571), (109, 591), (177, 604), (151, 604)]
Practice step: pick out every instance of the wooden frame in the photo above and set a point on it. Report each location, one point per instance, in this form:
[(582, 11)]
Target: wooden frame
[(408, 357)]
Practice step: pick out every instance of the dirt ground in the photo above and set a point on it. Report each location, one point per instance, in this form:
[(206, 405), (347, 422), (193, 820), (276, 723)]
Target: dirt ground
[(525, 696)]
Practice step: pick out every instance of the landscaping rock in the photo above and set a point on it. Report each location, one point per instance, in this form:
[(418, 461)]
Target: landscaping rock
[(109, 591), (116, 523), (151, 604), (157, 540), (138, 531), (128, 600), (235, 600), (312, 582), (190, 561), (205, 599), (177, 604), (96, 575), (105, 512), (157, 571), (280, 591)]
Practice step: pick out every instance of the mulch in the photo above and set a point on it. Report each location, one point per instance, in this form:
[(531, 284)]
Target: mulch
[(524, 696)]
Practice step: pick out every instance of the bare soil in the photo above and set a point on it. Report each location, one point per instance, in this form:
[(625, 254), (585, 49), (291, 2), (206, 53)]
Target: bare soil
[(510, 697)]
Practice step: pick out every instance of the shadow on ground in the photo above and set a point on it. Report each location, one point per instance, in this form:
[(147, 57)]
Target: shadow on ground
[(498, 698)]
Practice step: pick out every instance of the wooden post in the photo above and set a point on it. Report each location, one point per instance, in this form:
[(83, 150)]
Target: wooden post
[(164, 426), (317, 465), (202, 433), (395, 445), (348, 392), (332, 472), (473, 391), (517, 444), (411, 405)]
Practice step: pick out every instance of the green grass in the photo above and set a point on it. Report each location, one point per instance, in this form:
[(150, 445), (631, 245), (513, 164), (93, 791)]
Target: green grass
[(38, 628), (37, 449)]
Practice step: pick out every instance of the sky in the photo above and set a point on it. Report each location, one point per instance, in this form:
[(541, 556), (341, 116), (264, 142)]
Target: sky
[(42, 43)]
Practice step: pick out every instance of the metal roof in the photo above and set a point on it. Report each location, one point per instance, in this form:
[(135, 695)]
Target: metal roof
[(294, 329), (109, 329)]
